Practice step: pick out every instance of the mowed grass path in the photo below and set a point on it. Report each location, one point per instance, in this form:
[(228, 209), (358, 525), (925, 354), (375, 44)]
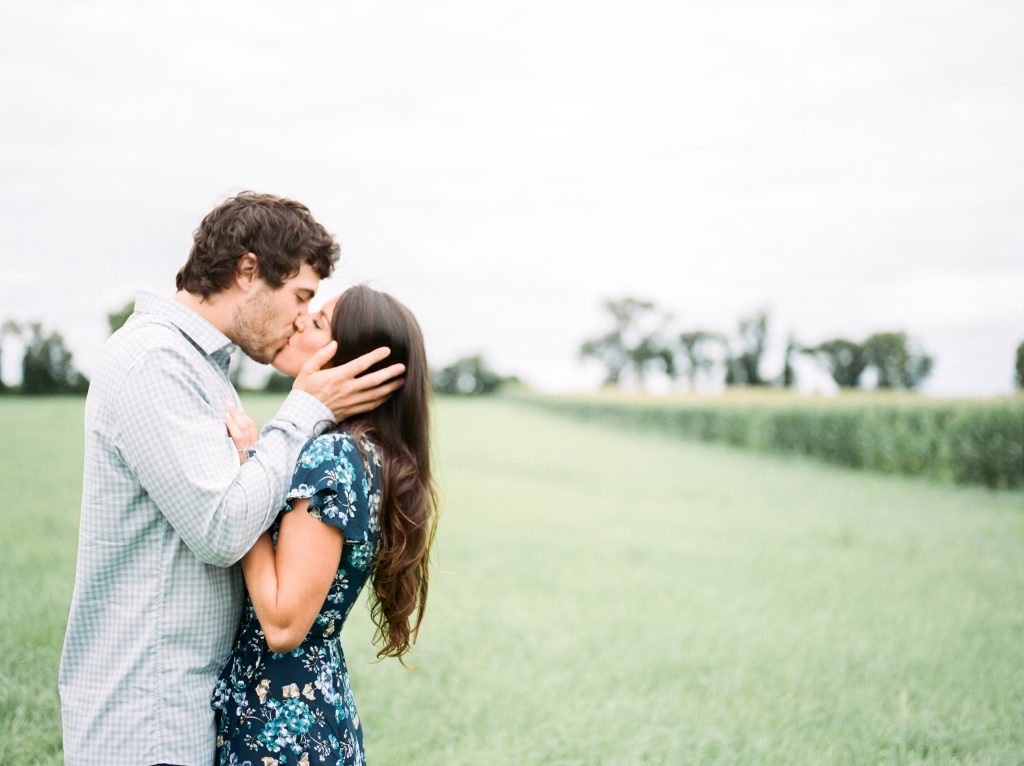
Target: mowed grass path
[(606, 597)]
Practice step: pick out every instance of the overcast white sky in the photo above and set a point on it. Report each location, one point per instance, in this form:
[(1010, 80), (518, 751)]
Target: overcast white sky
[(502, 168)]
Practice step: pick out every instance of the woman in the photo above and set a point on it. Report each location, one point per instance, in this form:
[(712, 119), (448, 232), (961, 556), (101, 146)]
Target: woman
[(361, 506)]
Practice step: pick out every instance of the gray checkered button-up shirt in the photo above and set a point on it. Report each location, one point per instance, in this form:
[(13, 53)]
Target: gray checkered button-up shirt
[(167, 511)]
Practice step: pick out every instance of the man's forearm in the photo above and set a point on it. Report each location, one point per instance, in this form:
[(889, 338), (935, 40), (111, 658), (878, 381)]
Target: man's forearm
[(186, 462), (255, 497)]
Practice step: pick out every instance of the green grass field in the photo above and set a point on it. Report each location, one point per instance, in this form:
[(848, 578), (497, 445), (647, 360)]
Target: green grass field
[(614, 597)]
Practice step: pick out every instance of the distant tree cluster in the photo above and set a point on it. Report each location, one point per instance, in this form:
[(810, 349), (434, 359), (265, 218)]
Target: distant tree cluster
[(469, 376), (642, 339), (898, 361), (47, 366)]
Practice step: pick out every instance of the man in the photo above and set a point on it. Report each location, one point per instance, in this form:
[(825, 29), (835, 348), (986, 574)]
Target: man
[(167, 510)]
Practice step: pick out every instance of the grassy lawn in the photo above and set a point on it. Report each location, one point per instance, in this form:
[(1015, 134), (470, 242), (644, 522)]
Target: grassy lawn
[(612, 597)]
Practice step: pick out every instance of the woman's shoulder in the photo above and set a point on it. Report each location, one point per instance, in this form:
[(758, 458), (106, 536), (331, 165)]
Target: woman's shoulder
[(368, 449), (317, 450), (341, 443)]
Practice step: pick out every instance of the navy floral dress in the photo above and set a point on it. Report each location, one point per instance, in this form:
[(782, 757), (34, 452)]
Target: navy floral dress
[(297, 708)]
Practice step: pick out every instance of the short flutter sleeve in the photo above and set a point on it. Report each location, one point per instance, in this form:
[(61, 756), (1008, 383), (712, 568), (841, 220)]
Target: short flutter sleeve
[(331, 474)]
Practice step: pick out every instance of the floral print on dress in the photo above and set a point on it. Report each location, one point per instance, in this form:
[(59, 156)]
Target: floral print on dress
[(297, 707)]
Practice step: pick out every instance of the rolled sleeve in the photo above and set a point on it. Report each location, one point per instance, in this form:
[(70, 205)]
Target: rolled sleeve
[(304, 412)]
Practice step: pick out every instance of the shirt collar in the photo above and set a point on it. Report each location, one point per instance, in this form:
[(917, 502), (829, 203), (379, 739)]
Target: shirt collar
[(192, 325)]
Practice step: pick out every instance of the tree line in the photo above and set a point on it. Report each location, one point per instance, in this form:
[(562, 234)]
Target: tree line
[(641, 340)]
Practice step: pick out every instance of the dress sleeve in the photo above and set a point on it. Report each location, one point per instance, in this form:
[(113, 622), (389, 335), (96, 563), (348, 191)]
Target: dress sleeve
[(332, 476)]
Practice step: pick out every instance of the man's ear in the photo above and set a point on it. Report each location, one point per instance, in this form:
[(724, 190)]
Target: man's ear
[(247, 272)]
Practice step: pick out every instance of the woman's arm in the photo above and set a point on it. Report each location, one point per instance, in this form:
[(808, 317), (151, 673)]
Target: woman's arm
[(288, 586)]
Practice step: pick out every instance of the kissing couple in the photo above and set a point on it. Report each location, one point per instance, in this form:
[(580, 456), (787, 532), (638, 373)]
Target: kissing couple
[(217, 562)]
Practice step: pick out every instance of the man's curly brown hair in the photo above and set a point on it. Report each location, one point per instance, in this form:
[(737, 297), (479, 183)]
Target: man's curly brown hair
[(280, 232)]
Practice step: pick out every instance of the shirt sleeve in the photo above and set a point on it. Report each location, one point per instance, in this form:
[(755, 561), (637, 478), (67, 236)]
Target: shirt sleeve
[(173, 438)]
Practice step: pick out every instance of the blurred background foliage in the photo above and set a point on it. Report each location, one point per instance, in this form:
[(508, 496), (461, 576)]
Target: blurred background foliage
[(969, 441)]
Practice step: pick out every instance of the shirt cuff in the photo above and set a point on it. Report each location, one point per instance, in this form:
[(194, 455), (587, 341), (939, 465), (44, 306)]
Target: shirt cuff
[(306, 412)]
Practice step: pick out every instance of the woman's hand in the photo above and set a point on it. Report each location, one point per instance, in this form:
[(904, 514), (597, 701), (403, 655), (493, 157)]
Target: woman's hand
[(243, 432)]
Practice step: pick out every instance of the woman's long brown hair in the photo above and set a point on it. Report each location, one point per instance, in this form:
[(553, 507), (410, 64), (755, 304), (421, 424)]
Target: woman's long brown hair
[(365, 319)]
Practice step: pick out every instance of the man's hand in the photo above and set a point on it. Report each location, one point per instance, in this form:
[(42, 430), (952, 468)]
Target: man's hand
[(341, 390)]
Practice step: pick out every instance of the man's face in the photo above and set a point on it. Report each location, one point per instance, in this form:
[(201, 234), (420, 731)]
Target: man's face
[(265, 321)]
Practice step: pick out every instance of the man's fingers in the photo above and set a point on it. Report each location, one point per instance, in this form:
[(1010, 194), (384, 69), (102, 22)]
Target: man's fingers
[(384, 391), (362, 363), (322, 357), (378, 378), (373, 404), (377, 393), (369, 400)]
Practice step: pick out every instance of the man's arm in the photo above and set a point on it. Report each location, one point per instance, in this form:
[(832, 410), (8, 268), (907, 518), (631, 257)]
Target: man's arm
[(173, 438)]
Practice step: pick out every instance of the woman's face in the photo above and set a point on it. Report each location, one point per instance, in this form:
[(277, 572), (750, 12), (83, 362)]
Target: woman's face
[(312, 333)]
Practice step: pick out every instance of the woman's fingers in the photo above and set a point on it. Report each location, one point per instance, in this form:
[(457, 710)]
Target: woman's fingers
[(241, 428), (252, 432), (234, 429)]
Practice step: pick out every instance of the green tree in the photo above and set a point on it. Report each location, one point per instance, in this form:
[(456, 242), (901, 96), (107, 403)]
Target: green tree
[(1020, 366), (47, 367), (278, 383), (609, 351), (635, 343), (844, 359), (116, 319), (694, 354), (733, 370), (9, 329), (788, 377), (468, 376), (899, 362), (652, 353), (743, 367)]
